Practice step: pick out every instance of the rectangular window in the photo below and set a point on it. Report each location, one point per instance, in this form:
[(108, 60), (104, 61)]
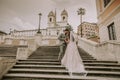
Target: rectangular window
[(106, 2), (111, 32)]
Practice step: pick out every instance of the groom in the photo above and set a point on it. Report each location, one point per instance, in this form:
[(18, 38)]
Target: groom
[(63, 44)]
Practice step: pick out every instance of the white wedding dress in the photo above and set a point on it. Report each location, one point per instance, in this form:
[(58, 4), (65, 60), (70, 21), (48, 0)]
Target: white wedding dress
[(72, 60)]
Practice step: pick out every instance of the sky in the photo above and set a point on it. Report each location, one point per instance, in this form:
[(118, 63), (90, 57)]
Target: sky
[(23, 14)]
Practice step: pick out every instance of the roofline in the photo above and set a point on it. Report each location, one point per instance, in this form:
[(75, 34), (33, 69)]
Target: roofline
[(3, 32)]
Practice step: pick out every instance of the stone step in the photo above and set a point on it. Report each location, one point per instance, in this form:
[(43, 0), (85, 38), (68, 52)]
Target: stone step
[(48, 47), (87, 56), (42, 60), (97, 68), (94, 61), (56, 60), (54, 56), (84, 55), (46, 50), (38, 67), (46, 54), (102, 64), (44, 77), (44, 57), (40, 57), (88, 59), (104, 74), (38, 63), (39, 71), (6, 56)]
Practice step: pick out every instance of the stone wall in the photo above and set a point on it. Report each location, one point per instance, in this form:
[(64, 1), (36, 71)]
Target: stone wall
[(103, 30), (108, 51), (117, 26), (5, 65)]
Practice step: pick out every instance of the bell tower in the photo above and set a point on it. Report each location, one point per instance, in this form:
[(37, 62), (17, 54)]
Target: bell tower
[(64, 16), (51, 19)]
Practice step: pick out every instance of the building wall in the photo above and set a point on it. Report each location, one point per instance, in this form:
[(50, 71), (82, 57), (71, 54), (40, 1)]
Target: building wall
[(49, 35), (2, 37), (106, 16), (117, 26), (15, 42), (88, 30)]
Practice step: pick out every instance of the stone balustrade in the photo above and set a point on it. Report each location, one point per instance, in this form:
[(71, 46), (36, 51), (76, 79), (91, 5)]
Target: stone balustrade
[(26, 46), (22, 42), (108, 51), (8, 41), (22, 52)]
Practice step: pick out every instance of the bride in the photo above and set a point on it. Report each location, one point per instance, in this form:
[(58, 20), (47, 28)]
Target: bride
[(72, 60)]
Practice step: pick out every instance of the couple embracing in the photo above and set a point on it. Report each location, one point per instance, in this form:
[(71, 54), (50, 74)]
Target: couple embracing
[(69, 55)]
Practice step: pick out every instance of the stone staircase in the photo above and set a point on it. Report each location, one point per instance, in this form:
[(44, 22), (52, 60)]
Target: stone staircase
[(8, 51), (96, 68), (44, 65)]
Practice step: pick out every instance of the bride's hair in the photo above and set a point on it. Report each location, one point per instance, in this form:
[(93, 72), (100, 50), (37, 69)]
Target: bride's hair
[(68, 34)]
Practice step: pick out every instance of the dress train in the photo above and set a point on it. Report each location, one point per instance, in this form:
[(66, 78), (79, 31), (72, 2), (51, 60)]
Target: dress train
[(72, 60)]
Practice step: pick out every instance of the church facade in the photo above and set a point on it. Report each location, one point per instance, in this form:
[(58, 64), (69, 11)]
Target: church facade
[(49, 35), (54, 28)]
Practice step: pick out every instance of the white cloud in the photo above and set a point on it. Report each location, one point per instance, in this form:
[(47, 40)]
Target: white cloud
[(9, 19), (27, 25), (23, 14), (21, 24)]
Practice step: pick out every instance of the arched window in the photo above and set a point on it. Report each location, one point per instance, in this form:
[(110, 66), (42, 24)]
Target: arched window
[(63, 18), (50, 19)]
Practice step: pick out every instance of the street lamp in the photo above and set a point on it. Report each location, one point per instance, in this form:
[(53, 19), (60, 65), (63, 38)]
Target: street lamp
[(10, 31), (40, 14), (81, 12)]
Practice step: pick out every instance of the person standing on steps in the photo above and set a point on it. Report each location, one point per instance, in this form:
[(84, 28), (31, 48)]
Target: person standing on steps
[(71, 59), (63, 43)]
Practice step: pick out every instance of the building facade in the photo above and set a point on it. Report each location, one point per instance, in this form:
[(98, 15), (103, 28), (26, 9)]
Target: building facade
[(108, 12), (49, 35), (54, 28), (2, 34), (88, 30)]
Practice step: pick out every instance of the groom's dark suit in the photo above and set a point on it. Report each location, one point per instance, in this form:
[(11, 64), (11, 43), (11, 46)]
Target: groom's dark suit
[(63, 45)]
